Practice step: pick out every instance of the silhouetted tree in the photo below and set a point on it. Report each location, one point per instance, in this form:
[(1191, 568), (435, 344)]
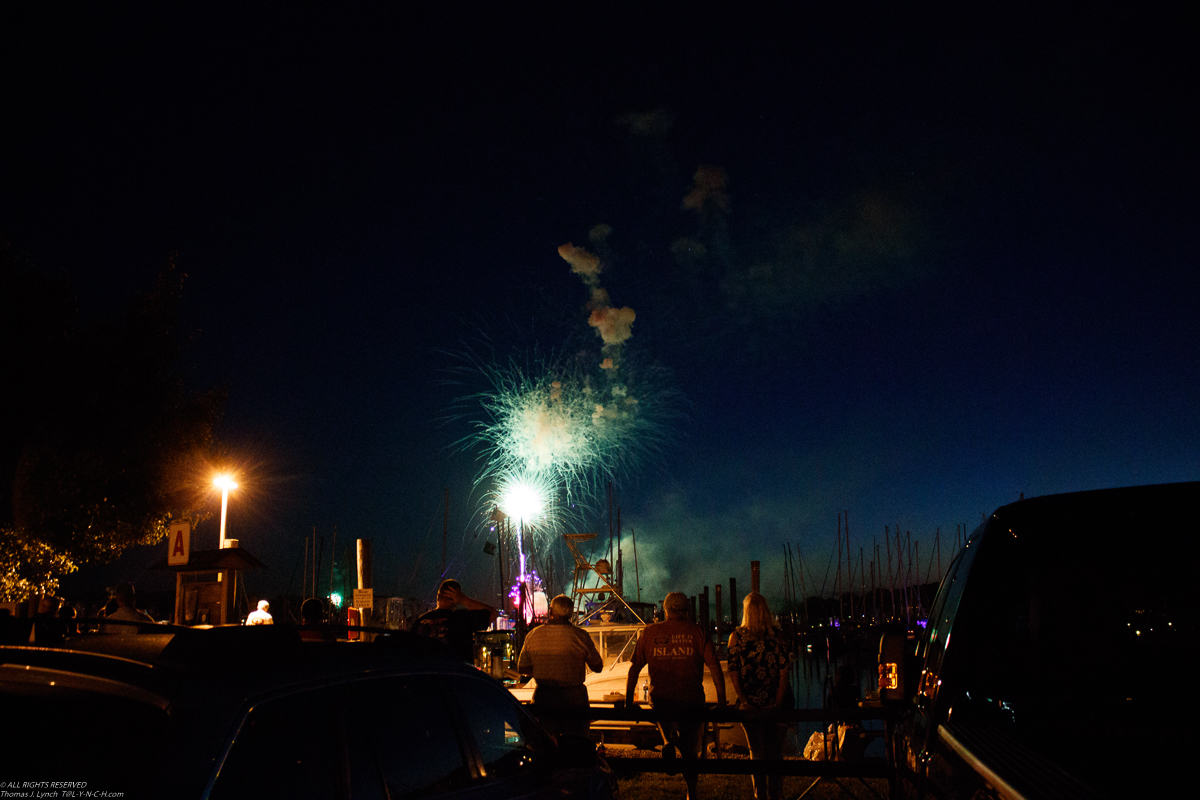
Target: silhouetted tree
[(105, 445)]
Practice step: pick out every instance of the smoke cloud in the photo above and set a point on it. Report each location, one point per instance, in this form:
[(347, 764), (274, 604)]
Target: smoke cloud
[(599, 299), (583, 263), (868, 242), (614, 325), (708, 192), (654, 124)]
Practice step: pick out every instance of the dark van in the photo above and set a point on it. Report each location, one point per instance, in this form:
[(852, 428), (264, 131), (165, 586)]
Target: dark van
[(1060, 655)]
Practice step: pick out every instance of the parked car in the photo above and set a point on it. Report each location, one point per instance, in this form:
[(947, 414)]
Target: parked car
[(255, 712), (1059, 654)]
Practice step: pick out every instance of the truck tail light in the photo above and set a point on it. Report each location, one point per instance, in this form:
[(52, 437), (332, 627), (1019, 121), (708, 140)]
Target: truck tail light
[(894, 682), (889, 676)]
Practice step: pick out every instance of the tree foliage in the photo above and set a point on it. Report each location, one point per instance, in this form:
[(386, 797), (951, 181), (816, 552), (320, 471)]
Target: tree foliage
[(29, 567), (106, 444)]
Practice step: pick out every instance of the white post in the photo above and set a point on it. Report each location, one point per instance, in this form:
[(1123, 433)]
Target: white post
[(224, 506)]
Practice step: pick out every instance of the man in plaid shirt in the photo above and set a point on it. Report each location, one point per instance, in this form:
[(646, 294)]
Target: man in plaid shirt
[(558, 655)]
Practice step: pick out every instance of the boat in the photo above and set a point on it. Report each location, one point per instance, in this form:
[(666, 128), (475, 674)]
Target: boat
[(613, 623), (614, 626), (615, 642)]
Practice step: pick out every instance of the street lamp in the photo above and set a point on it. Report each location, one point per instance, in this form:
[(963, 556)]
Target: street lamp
[(225, 483)]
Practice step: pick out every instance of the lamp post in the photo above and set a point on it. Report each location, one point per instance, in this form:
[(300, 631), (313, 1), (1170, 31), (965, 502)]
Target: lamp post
[(225, 483)]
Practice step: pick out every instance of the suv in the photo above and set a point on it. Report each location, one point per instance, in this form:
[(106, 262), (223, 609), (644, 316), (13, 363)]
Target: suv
[(1058, 653), (255, 712)]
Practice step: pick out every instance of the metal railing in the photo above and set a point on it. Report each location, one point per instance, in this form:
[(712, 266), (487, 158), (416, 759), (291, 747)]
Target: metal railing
[(676, 761)]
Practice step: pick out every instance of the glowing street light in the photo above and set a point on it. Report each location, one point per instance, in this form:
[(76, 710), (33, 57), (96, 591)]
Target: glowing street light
[(226, 484)]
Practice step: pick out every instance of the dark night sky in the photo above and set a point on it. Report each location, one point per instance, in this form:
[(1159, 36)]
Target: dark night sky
[(959, 261)]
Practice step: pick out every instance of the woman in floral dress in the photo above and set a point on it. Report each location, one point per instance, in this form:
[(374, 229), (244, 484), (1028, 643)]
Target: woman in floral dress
[(758, 666)]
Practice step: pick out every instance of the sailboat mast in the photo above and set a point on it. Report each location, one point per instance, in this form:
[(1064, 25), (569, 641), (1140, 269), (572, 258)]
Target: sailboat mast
[(837, 584)]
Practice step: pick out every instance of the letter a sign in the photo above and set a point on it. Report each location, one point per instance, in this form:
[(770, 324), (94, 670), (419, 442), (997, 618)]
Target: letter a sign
[(179, 543)]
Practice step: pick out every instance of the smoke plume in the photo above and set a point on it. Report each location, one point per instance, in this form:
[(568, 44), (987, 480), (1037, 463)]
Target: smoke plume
[(583, 263)]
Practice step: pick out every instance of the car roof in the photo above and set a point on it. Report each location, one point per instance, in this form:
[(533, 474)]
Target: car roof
[(1117, 532), (1171, 499), (83, 671), (236, 661), (207, 680)]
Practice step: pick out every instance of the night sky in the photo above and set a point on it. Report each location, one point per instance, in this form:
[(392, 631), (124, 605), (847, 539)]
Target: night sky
[(953, 259)]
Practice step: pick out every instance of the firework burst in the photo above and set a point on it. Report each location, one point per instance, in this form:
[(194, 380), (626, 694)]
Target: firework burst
[(556, 426), (569, 424)]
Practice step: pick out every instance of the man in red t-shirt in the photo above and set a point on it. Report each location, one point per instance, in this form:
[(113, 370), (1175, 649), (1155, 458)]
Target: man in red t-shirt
[(677, 652)]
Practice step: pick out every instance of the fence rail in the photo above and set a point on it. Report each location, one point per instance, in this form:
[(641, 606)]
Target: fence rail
[(675, 762), (645, 713)]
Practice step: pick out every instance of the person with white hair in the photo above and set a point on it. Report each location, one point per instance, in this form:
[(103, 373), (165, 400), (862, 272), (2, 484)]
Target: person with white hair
[(557, 655), (262, 616), (677, 652)]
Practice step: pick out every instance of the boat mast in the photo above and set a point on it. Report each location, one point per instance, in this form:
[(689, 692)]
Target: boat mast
[(837, 583)]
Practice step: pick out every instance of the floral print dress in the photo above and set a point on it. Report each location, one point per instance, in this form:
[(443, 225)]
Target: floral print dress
[(758, 661)]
